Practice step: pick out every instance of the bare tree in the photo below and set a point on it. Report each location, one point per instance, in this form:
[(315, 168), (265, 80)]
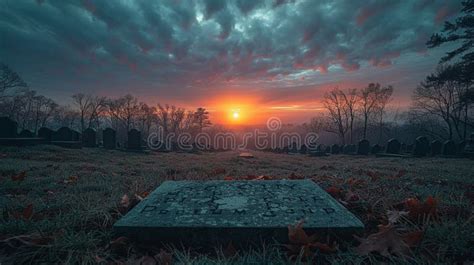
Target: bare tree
[(384, 98), (351, 100), (146, 117), (368, 103), (335, 104), (124, 110), (438, 97), (9, 79), (82, 102), (201, 116)]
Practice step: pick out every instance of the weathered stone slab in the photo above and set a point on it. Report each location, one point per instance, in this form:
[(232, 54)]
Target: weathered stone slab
[(241, 211)]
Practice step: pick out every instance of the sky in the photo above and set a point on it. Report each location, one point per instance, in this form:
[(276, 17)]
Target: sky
[(259, 57)]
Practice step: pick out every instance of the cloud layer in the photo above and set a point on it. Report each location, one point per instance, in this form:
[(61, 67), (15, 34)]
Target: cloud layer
[(185, 49)]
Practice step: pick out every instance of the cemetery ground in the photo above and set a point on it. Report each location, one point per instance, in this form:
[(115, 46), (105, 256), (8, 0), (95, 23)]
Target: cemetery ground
[(59, 206)]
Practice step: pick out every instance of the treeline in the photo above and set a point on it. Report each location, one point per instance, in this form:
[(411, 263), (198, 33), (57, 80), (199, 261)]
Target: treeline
[(442, 105), (351, 113), (33, 111)]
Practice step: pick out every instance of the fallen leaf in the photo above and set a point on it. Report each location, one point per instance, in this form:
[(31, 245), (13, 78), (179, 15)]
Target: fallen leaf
[(228, 178), (294, 176), (373, 175), (71, 180), (246, 155), (230, 251), (19, 177), (218, 171), (335, 192), (386, 242), (119, 245), (28, 212), (125, 201), (146, 260), (394, 216), (419, 209), (164, 258), (302, 244), (414, 238)]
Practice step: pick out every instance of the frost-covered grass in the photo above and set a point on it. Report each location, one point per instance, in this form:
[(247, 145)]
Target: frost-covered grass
[(75, 193)]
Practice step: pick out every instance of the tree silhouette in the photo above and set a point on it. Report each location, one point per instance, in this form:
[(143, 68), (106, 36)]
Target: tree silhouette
[(461, 30), (9, 79)]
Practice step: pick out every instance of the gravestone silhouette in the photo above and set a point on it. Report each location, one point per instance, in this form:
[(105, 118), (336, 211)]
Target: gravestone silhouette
[(63, 134), (89, 138), (393, 146), (303, 149), (449, 148), (422, 146), (436, 147), (26, 134), (46, 134), (134, 140), (363, 147), (335, 149), (109, 138), (8, 128), (375, 149), (204, 212)]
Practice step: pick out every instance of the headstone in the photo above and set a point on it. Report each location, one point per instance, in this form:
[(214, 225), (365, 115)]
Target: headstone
[(46, 134), (335, 149), (363, 147), (469, 148), (403, 148), (63, 134), (422, 146), (26, 134), (393, 146), (303, 149), (88, 138), (449, 148), (436, 147), (320, 148), (8, 128), (204, 212), (375, 149), (76, 136), (294, 148), (460, 147), (134, 140), (327, 149), (410, 148), (108, 137)]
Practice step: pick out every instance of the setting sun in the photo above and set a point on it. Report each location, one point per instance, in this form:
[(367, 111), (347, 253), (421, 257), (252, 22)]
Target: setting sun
[(235, 115)]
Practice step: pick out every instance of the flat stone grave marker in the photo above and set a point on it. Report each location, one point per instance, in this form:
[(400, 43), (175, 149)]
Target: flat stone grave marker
[(203, 212)]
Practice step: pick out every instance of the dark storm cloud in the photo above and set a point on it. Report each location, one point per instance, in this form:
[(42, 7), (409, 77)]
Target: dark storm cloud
[(174, 46)]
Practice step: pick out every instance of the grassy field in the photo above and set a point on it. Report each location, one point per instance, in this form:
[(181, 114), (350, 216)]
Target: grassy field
[(59, 204)]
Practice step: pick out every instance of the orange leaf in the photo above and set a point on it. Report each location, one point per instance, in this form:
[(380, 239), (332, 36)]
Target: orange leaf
[(417, 209), (164, 258), (28, 212), (71, 180), (335, 192), (413, 238), (294, 176), (228, 178), (297, 235), (386, 242), (19, 177)]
